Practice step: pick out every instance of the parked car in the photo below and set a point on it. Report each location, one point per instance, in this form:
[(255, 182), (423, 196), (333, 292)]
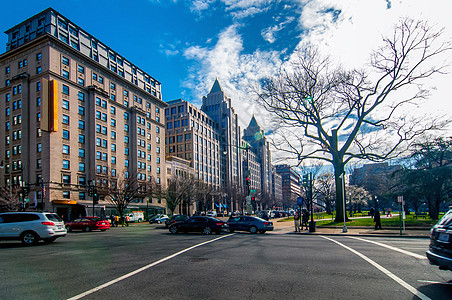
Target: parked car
[(206, 225), (249, 223), (158, 219), (175, 218), (211, 213), (440, 250), (88, 224), (30, 227)]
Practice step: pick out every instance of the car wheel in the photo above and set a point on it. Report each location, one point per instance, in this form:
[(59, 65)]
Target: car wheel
[(158, 222), (68, 228), (253, 229), (29, 238), (139, 220), (49, 240), (103, 229), (262, 231), (207, 230), (173, 229), (87, 228)]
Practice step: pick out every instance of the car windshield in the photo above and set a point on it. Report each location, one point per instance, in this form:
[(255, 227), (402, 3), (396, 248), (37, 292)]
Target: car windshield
[(54, 218), (446, 220)]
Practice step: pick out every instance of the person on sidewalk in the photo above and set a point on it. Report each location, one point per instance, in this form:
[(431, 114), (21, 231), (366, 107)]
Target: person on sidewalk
[(127, 218), (116, 220), (377, 220), (296, 219), (112, 219)]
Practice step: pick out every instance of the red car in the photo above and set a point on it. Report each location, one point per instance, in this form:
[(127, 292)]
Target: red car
[(88, 224)]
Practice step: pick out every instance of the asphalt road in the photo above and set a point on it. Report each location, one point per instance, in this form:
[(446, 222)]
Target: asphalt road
[(147, 262)]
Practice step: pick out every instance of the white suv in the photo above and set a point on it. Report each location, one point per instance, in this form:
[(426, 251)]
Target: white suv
[(30, 227)]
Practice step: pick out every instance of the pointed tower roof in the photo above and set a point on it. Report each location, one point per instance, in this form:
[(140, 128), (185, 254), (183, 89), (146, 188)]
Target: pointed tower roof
[(216, 87), (253, 122)]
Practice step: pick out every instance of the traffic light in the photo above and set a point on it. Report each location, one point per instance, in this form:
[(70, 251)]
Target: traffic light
[(253, 198), (95, 197), (26, 190), (90, 191), (248, 181), (305, 180)]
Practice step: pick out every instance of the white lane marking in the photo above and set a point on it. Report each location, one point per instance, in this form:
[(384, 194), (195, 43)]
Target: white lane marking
[(435, 282), (143, 269), (391, 247), (400, 281)]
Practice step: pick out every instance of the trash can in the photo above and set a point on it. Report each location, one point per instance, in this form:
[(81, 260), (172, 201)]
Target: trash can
[(311, 226)]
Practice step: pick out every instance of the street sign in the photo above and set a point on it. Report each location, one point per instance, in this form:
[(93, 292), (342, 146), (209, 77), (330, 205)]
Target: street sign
[(399, 199), (300, 201)]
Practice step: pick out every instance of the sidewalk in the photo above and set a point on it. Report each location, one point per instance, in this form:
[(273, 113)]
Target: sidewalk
[(288, 227)]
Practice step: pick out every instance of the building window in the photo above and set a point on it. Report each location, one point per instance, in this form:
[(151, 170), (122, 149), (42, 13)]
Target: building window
[(65, 134), (112, 86), (66, 164), (81, 138), (38, 56), (81, 81), (38, 101), (66, 149), (81, 110), (66, 178), (38, 86), (65, 89), (81, 96), (81, 167), (66, 119), (39, 148), (81, 69), (81, 152), (65, 104), (38, 70), (65, 74), (65, 61)]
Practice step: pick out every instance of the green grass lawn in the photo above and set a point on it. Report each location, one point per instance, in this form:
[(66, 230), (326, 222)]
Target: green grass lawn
[(388, 222)]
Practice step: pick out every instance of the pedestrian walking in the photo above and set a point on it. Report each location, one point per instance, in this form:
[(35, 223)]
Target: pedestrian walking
[(372, 212), (296, 219), (127, 218), (116, 220), (305, 219), (377, 220), (112, 219)]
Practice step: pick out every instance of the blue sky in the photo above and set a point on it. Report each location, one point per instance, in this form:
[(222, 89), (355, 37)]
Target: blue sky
[(187, 44)]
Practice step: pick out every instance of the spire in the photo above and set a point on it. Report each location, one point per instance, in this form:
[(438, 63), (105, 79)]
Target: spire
[(216, 87), (253, 122)]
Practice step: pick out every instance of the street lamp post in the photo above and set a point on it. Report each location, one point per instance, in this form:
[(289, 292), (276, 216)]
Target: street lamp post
[(344, 229)]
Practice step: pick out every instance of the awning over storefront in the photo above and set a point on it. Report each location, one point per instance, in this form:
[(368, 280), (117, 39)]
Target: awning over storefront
[(64, 202)]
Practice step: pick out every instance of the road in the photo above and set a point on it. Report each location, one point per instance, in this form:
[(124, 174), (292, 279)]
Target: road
[(145, 261)]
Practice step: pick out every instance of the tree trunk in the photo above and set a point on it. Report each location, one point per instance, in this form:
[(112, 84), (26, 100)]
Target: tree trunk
[(339, 177)]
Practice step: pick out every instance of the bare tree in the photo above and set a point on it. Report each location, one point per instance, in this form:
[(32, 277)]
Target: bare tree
[(10, 198), (204, 193), (324, 191), (121, 191), (180, 190), (325, 112)]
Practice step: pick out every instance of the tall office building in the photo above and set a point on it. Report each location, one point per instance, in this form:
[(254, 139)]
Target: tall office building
[(254, 135), (192, 135), (291, 188), (219, 108), (75, 111)]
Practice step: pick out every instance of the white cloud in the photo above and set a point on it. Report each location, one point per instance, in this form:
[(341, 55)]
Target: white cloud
[(269, 33)]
